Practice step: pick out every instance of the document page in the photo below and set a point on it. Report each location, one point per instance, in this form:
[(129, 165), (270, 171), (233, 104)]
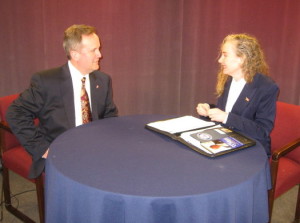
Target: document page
[(181, 124)]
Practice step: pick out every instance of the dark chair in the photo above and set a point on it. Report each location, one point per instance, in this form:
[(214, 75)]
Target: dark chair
[(15, 158), (285, 147)]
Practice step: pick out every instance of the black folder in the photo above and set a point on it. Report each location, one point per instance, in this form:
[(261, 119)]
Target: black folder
[(207, 138)]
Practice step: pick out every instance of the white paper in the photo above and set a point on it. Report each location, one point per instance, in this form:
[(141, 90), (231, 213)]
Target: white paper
[(181, 124)]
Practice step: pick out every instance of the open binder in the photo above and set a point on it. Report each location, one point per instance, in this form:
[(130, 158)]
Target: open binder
[(207, 138)]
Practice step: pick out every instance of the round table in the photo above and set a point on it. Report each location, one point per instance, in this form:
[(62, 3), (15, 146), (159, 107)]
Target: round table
[(115, 170)]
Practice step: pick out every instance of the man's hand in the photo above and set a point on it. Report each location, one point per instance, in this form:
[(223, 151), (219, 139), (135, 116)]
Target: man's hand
[(45, 154)]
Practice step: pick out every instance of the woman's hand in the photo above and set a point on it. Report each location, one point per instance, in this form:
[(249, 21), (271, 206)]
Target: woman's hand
[(203, 109), (217, 115)]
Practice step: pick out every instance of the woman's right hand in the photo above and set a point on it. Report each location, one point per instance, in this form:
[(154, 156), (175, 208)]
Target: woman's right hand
[(203, 109)]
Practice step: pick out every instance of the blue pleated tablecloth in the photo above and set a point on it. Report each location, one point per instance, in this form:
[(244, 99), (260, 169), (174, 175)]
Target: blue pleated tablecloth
[(114, 170)]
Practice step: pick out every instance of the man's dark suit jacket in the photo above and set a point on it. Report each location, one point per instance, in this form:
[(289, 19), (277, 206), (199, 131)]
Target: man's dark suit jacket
[(50, 99), (254, 111)]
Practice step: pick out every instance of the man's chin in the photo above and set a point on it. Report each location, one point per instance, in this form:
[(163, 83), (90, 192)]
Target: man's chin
[(96, 67)]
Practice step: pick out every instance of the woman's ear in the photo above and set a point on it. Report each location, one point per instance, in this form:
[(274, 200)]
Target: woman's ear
[(242, 59)]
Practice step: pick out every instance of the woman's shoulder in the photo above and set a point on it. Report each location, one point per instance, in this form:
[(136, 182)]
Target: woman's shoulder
[(262, 79), (264, 82)]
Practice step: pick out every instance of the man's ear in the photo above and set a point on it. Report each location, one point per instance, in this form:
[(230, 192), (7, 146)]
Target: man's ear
[(74, 55)]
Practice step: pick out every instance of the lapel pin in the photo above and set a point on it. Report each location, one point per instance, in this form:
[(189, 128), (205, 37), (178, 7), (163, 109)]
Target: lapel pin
[(97, 86), (247, 99)]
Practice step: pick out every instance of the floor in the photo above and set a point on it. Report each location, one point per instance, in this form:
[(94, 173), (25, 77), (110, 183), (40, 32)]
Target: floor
[(25, 199)]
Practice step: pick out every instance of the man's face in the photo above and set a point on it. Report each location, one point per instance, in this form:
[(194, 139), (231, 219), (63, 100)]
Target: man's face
[(87, 56)]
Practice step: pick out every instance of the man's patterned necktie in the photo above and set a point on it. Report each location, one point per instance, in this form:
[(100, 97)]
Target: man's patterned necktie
[(85, 104)]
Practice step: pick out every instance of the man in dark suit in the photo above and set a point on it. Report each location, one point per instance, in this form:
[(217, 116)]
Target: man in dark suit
[(246, 94), (54, 96)]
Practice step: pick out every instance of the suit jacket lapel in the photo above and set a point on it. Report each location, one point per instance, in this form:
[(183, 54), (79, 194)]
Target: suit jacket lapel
[(223, 99), (96, 84), (66, 88), (245, 97)]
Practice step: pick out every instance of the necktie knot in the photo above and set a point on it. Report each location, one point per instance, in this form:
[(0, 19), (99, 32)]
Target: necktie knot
[(83, 82)]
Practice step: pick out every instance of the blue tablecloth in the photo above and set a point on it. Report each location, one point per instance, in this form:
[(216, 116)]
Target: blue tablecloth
[(115, 170)]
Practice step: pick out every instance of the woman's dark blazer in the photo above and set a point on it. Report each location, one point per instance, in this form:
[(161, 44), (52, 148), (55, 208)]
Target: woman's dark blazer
[(254, 111)]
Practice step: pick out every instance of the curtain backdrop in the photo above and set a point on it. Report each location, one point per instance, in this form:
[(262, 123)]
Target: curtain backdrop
[(161, 54)]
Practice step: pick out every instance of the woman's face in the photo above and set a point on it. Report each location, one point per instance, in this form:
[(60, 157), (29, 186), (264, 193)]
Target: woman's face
[(230, 63)]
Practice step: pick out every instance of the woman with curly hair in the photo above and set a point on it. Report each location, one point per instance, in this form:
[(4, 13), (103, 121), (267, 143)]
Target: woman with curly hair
[(246, 94)]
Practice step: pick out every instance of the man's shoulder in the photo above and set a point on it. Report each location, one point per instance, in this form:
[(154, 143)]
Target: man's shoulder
[(52, 72), (101, 75)]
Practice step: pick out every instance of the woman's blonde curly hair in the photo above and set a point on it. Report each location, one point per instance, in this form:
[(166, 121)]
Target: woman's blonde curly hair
[(249, 49)]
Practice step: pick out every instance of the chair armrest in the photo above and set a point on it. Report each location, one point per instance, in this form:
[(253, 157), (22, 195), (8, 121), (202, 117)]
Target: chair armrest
[(285, 149), (4, 125)]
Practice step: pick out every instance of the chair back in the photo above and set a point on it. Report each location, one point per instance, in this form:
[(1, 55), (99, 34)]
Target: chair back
[(8, 140), (286, 128), (16, 159)]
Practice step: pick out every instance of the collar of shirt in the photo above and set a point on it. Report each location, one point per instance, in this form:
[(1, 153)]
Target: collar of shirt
[(77, 84)]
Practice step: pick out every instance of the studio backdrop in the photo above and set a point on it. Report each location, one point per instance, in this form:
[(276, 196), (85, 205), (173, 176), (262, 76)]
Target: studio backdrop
[(161, 54)]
